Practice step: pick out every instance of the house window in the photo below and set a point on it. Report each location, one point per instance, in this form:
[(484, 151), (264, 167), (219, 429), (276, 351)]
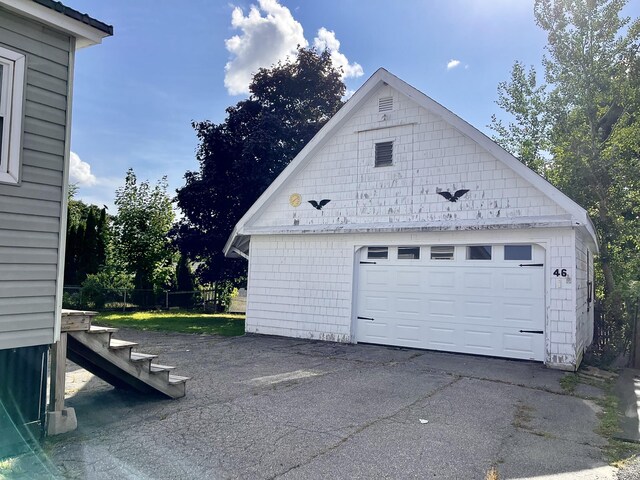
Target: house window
[(479, 252), (384, 154), (517, 252), (408, 253), (378, 252), (12, 69), (444, 252), (385, 104)]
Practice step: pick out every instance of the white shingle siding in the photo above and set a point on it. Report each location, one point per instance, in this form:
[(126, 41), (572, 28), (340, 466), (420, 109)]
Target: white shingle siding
[(428, 155)]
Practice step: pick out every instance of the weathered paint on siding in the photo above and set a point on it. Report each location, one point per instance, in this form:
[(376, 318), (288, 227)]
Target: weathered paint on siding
[(302, 285), (30, 211), (429, 155), (584, 310)]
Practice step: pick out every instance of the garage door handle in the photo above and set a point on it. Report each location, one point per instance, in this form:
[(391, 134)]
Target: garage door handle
[(365, 318), (531, 265), (532, 331), (367, 263)]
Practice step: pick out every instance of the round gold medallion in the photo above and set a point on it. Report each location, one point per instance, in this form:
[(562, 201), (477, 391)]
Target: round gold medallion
[(295, 199)]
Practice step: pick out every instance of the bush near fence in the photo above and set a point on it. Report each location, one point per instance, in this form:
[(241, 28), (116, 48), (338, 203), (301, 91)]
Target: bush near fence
[(613, 342), (95, 298)]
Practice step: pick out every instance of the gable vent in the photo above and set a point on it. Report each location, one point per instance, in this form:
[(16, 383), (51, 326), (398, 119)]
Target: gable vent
[(384, 154), (385, 104)]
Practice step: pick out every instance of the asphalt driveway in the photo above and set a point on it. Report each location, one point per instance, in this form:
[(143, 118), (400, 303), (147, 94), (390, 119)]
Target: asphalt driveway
[(265, 407)]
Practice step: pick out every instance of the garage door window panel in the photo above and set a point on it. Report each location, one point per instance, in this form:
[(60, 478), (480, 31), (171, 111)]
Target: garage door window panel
[(408, 253), (479, 252), (379, 253), (517, 252), (443, 252)]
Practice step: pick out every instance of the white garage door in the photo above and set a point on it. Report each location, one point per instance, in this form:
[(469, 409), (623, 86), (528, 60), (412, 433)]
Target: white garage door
[(480, 299)]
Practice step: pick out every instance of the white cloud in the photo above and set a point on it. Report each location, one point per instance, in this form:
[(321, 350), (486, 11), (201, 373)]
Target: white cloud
[(452, 64), (326, 39), (269, 34), (264, 41), (80, 172)]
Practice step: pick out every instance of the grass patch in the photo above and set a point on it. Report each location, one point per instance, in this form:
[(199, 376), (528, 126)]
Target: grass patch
[(569, 382), (618, 452), (225, 324)]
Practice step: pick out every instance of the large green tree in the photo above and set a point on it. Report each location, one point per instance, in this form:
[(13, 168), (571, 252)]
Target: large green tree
[(591, 110), (141, 244), (526, 134), (241, 156)]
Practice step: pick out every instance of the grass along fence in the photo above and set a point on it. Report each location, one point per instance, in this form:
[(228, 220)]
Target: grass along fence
[(175, 321), (76, 297)]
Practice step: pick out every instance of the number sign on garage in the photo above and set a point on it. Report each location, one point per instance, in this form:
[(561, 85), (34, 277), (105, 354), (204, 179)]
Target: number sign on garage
[(479, 299)]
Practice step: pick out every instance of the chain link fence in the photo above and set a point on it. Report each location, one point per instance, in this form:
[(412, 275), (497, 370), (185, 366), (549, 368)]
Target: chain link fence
[(78, 298)]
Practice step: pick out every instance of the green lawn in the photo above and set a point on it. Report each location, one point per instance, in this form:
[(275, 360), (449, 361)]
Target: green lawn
[(225, 324)]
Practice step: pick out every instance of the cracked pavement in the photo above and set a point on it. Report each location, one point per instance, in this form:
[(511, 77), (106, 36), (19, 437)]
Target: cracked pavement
[(282, 408)]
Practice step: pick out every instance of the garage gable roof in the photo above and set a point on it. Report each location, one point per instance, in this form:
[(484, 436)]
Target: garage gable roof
[(237, 240)]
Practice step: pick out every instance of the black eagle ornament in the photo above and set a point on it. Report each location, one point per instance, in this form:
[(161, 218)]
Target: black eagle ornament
[(454, 197), (320, 204)]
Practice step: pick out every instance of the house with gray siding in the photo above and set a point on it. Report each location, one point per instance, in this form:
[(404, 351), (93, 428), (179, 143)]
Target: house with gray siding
[(38, 41), (401, 224)]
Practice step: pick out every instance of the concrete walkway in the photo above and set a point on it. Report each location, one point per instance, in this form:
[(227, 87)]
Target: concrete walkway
[(265, 407)]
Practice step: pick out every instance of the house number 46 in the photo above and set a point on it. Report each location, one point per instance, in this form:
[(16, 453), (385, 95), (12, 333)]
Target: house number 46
[(560, 272)]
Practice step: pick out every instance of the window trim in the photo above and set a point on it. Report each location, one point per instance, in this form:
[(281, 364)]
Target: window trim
[(12, 92)]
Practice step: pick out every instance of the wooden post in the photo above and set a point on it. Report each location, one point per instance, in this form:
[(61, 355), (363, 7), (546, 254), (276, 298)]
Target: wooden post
[(59, 419), (58, 370), (166, 299)]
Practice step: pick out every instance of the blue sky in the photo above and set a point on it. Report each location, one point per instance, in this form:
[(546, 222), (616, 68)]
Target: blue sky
[(136, 94)]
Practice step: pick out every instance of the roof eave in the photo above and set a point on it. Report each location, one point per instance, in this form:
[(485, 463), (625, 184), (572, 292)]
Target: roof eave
[(86, 35)]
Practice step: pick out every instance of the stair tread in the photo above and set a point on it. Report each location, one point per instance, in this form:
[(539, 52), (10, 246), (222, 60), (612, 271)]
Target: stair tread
[(97, 329), (174, 379), (156, 367), (115, 344), (138, 357)]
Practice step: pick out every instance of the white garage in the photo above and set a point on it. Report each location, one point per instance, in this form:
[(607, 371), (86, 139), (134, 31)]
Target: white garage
[(480, 299), (401, 224)]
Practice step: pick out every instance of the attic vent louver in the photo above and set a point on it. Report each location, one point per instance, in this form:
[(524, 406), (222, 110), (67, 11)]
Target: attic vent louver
[(384, 154), (385, 104)]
